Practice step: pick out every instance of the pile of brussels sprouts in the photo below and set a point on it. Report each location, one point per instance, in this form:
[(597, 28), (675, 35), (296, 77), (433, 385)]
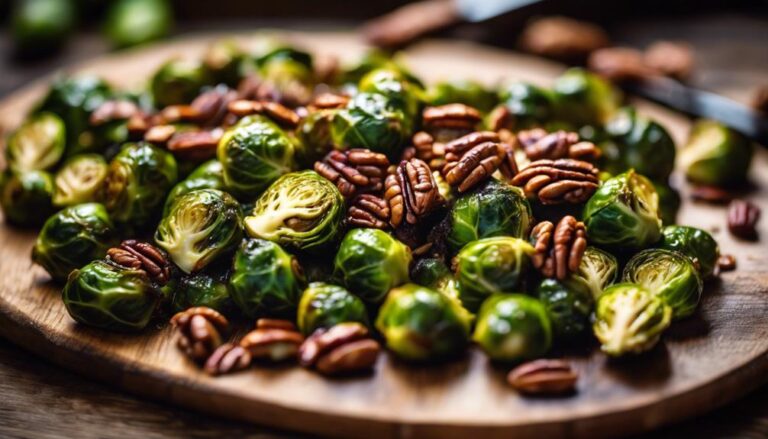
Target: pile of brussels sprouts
[(254, 232)]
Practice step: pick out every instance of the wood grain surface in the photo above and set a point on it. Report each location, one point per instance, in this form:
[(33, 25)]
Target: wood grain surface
[(704, 362)]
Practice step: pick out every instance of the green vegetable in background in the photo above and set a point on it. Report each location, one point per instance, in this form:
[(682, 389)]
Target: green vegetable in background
[(716, 155), (695, 243), (38, 144), (530, 105), (669, 202), (466, 92), (133, 22), (178, 81), (26, 197), (79, 180), (643, 145), (202, 290), (568, 308), (513, 327), (288, 72), (583, 98), (371, 121), (598, 269), (41, 26), (324, 305), (224, 60), (209, 175), (314, 135)]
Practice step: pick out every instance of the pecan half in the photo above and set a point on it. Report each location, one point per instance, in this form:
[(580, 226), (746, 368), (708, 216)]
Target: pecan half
[(279, 113), (725, 263), (159, 134), (543, 377), (411, 192), (539, 144), (558, 181), (272, 341), (619, 64), (227, 358), (113, 110), (200, 331), (368, 210), (342, 349), (427, 149), (451, 116), (325, 101), (206, 110), (562, 38), (500, 118), (742, 219), (473, 158), (558, 249), (142, 256), (195, 145), (354, 170), (673, 59)]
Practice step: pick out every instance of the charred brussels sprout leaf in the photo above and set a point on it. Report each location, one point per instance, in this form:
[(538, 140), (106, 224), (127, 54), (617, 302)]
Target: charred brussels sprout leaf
[(178, 81), (568, 308), (695, 243), (513, 327), (324, 305), (530, 105), (209, 175), (38, 144), (79, 179), (26, 197), (202, 290), (370, 121), (466, 92), (598, 269), (133, 22), (583, 98), (716, 155), (643, 145)]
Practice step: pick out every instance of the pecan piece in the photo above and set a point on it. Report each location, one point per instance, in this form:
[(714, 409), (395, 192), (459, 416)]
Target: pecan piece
[(475, 157), (279, 113), (113, 110), (344, 348), (207, 110), (227, 358), (411, 192), (558, 250), (451, 116), (558, 181), (368, 210), (354, 170), (142, 256), (543, 377), (562, 38), (325, 101), (725, 263), (673, 59), (195, 145), (200, 331), (159, 134), (427, 149), (742, 219), (619, 64), (500, 118), (538, 145), (273, 340)]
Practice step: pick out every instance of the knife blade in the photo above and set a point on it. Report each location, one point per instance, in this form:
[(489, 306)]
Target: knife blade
[(476, 11)]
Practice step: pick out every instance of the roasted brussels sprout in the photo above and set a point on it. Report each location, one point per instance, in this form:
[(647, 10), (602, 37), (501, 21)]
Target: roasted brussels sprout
[(324, 305), (26, 197), (133, 22), (643, 145), (79, 180), (420, 324), (109, 296), (568, 308), (370, 121), (178, 81), (209, 175), (372, 60), (224, 60), (73, 237), (38, 144), (41, 26), (716, 155), (624, 213), (434, 273), (466, 92), (288, 72), (138, 179), (598, 269), (629, 319), (669, 202), (254, 153), (400, 93), (202, 290), (199, 227), (491, 266), (494, 209), (583, 98), (266, 280), (370, 263), (529, 104), (301, 210), (513, 327), (669, 275), (314, 135), (695, 243)]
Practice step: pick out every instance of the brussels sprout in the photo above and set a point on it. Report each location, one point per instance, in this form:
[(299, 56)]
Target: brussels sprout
[(26, 197), (199, 227), (716, 155), (288, 72), (72, 238), (466, 92), (669, 275), (433, 273), (301, 210), (530, 105), (370, 121), (133, 22), (399, 93), (494, 209), (695, 243), (178, 81), (597, 270), (138, 179), (568, 308), (370, 263), (266, 280), (372, 60), (79, 179), (624, 213), (254, 153), (202, 290), (669, 202), (629, 319), (314, 134), (584, 98), (513, 327), (209, 175), (109, 296), (490, 266), (38, 144), (224, 59), (41, 26), (324, 305), (420, 324)]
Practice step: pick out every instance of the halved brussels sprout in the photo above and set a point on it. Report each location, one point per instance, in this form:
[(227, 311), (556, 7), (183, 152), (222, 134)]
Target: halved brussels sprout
[(598, 269), (568, 308), (466, 92), (38, 144), (133, 22), (716, 155), (643, 145), (695, 243), (301, 210), (324, 305), (420, 324), (202, 290), (491, 266), (209, 175), (629, 319), (178, 81), (513, 327), (199, 227), (583, 98), (669, 202), (254, 153), (494, 209), (434, 273), (73, 237), (669, 275), (370, 263), (26, 197), (624, 213), (529, 104), (79, 179), (370, 121)]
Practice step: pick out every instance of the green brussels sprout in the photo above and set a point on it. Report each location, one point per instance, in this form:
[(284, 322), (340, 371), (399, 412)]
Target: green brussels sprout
[(530, 105), (138, 179), (629, 319), (314, 135), (598, 269), (466, 92), (288, 72), (38, 144), (669, 275), (491, 266), (254, 153), (266, 280), (513, 327), (370, 121), (202, 290), (26, 197), (716, 155), (111, 297), (209, 175), (79, 180), (301, 210), (434, 273), (669, 202), (568, 308), (178, 81), (420, 324), (494, 209), (400, 93), (370, 263), (624, 213), (224, 59), (324, 305), (73, 237), (695, 243), (372, 60), (584, 98), (134, 22), (41, 26), (200, 226)]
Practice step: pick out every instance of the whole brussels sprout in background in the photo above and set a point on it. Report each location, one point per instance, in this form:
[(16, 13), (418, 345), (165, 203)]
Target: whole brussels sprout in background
[(202, 290), (669, 275), (324, 305), (314, 135), (370, 121), (568, 308), (38, 144), (287, 72), (209, 175), (301, 210), (254, 153), (583, 98), (491, 266), (624, 213), (513, 327), (370, 262), (643, 145), (26, 197), (73, 237), (137, 182), (372, 60), (716, 155), (111, 297), (629, 319), (199, 227), (420, 324), (400, 93), (178, 81), (39, 27), (695, 243), (669, 202), (224, 60), (434, 273), (466, 92), (598, 269), (133, 22), (79, 180), (530, 105), (494, 209), (266, 280)]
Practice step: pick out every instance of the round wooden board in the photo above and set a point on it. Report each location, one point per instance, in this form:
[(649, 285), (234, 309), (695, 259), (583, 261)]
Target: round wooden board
[(705, 361)]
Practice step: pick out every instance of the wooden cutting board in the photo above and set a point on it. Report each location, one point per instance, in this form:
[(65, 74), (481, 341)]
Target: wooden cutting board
[(704, 361)]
